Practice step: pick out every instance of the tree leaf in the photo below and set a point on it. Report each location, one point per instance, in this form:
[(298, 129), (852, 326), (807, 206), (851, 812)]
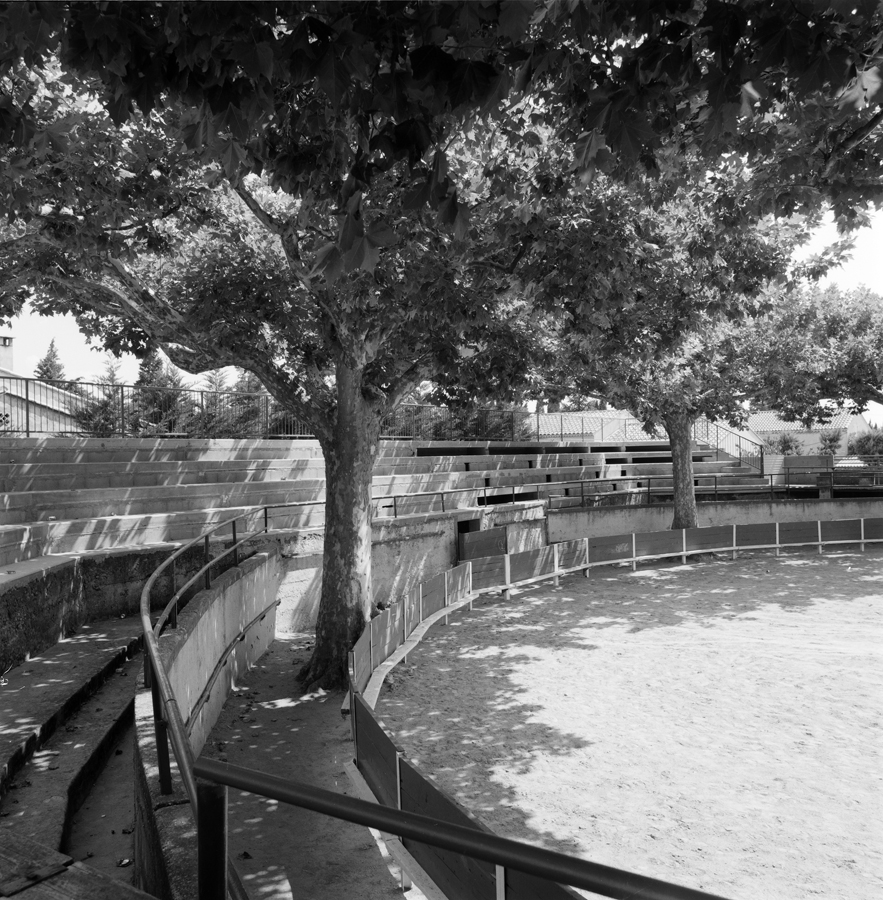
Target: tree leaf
[(334, 76), (515, 16)]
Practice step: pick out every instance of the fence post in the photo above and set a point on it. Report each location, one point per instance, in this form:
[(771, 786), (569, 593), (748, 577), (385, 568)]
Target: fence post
[(500, 878), (863, 535), (587, 570), (235, 548), (405, 878), (507, 574), (211, 840), (820, 535), (162, 739), (684, 546), (208, 574), (556, 581), (122, 411), (469, 578), (778, 545), (27, 408), (734, 541), (634, 553)]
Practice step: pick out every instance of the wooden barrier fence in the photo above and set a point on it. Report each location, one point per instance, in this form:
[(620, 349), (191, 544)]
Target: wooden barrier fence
[(397, 783)]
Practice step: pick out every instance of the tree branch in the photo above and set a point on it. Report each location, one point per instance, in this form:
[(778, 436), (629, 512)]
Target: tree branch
[(268, 220), (852, 142)]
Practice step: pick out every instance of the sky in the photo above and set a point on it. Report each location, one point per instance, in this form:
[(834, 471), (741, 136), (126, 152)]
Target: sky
[(32, 333)]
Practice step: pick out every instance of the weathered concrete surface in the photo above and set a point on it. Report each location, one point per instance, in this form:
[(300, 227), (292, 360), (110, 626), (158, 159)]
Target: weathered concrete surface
[(165, 831), (572, 524), (42, 693), (45, 599), (207, 632)]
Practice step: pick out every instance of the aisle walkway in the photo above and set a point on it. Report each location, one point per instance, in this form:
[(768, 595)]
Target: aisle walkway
[(281, 851)]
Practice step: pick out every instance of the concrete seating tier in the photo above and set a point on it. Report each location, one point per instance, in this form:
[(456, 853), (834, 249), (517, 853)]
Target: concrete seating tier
[(73, 495), (135, 450)]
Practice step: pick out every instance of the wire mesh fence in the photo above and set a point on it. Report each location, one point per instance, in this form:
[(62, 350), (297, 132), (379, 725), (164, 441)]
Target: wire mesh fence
[(30, 408)]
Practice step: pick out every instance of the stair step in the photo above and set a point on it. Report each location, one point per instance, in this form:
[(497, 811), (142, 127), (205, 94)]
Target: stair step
[(40, 695), (53, 784), (71, 881)]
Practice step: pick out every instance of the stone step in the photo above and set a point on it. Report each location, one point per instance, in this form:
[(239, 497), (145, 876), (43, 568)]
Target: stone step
[(39, 696), (44, 795), (69, 881)]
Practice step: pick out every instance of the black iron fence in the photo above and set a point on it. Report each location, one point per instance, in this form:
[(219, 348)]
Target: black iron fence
[(30, 407)]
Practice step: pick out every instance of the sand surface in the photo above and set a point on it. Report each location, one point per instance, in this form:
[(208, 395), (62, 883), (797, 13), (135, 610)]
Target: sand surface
[(717, 724)]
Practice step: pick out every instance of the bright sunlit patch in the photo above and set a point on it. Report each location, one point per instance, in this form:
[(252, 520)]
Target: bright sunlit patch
[(288, 702)]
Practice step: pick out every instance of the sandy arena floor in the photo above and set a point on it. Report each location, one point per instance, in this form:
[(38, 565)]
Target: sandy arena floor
[(717, 724)]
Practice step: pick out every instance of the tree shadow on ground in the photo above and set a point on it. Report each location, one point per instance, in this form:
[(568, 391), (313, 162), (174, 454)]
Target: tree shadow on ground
[(495, 737)]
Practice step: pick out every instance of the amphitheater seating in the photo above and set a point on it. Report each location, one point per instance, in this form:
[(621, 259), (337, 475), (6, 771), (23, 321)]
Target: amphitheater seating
[(74, 496)]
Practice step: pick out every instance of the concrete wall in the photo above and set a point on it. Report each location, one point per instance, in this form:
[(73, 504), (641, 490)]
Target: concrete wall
[(405, 552), (571, 524), (209, 625), (45, 599), (165, 832)]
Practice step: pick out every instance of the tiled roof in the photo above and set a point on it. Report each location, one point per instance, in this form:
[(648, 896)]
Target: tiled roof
[(767, 420)]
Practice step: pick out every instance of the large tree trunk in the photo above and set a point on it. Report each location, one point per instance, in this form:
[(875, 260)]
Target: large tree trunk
[(345, 604), (678, 426)]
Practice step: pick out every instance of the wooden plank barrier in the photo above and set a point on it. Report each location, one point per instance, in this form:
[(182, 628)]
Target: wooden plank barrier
[(456, 875), (531, 564), (610, 548), (457, 582), (376, 753), (798, 533), (387, 633), (362, 660), (396, 782), (490, 542), (412, 610), (761, 535), (434, 594), (655, 544), (842, 531), (488, 572), (716, 537), (572, 554)]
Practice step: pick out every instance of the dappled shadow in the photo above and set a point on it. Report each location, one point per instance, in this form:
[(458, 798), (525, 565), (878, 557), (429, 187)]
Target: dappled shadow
[(472, 718), (271, 725)]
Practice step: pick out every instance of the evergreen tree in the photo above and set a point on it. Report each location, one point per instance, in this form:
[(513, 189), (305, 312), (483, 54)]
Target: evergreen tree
[(50, 368)]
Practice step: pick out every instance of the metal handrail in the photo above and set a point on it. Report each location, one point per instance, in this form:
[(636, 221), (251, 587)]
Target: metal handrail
[(485, 845), (740, 440), (168, 721)]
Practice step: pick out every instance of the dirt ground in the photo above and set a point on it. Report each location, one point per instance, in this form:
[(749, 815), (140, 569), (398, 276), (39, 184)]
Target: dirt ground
[(716, 725), (281, 851)]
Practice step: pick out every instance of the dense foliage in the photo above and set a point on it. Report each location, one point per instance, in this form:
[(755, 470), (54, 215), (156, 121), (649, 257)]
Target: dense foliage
[(349, 198)]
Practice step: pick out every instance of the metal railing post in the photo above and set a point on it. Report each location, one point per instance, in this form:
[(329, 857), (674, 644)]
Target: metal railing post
[(206, 558), (27, 408), (162, 739), (266, 519), (211, 840), (122, 411)]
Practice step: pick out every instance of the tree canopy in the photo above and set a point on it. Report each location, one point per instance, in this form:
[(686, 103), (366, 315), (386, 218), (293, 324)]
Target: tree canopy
[(347, 198)]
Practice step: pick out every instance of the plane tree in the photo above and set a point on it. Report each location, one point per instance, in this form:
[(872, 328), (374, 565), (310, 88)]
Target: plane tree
[(310, 165)]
